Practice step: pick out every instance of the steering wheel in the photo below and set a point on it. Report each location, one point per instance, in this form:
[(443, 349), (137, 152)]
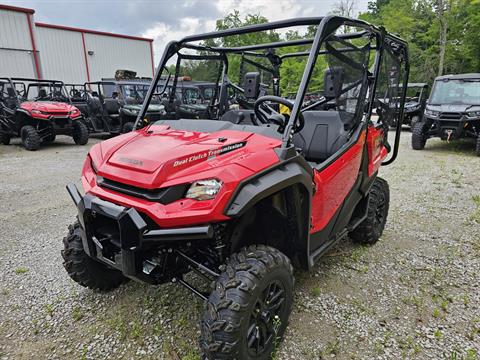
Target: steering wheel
[(266, 114)]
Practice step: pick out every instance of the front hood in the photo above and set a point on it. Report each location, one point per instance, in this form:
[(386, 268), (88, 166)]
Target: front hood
[(157, 154), (460, 108), (47, 106), (138, 107)]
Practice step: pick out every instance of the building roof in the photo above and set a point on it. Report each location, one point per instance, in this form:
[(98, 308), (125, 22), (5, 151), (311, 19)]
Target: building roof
[(17, 8), (459, 76), (69, 28)]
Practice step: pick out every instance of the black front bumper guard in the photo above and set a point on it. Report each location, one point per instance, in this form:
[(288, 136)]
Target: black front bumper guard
[(133, 233)]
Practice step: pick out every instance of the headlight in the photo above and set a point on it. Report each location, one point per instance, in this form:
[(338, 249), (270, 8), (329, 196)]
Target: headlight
[(34, 111), (204, 189), (473, 114), (432, 113)]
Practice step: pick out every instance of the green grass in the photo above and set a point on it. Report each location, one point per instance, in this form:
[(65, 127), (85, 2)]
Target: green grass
[(49, 308), (77, 313), (21, 270), (316, 291)]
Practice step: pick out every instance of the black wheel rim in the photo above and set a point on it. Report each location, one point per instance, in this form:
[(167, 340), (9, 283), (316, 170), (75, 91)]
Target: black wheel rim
[(265, 319)]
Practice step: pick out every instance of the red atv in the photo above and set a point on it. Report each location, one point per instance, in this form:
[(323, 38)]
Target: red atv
[(37, 111), (241, 198)]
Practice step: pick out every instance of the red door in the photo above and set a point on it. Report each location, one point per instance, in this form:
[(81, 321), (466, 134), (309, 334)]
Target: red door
[(333, 184)]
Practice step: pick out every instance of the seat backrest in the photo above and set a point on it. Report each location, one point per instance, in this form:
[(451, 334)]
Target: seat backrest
[(238, 117), (42, 93), (251, 85), (322, 136), (112, 106)]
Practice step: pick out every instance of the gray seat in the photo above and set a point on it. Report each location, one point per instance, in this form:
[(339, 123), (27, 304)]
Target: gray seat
[(322, 136), (238, 117), (112, 107)]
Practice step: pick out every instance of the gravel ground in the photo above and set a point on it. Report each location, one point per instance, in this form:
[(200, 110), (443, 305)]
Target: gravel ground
[(413, 295)]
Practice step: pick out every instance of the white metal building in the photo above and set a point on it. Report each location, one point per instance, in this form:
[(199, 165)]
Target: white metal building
[(29, 49)]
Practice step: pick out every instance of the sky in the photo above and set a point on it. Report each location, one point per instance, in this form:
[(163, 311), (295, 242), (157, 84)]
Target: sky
[(166, 20)]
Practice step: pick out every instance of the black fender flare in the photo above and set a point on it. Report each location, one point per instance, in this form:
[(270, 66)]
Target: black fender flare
[(268, 182)]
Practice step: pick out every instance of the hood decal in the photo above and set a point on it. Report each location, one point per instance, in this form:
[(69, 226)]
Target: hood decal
[(209, 154)]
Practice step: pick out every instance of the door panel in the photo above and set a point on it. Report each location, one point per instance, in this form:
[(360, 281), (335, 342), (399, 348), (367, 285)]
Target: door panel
[(333, 184)]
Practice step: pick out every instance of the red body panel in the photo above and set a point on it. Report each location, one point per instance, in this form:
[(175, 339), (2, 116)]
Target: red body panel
[(334, 183), (45, 109), (159, 157), (376, 150)]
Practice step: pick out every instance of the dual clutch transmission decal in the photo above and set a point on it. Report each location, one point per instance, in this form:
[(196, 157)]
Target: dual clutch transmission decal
[(209, 154)]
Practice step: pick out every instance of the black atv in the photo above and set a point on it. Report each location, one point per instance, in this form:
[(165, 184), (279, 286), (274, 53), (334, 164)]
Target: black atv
[(417, 95), (452, 112), (112, 106)]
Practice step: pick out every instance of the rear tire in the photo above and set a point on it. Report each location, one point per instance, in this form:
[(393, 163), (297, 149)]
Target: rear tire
[(4, 138), (370, 230), (30, 138), (127, 127), (419, 136), (84, 270), (249, 306), (80, 133)]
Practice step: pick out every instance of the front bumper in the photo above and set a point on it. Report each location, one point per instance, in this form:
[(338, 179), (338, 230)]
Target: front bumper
[(449, 129), (119, 237)]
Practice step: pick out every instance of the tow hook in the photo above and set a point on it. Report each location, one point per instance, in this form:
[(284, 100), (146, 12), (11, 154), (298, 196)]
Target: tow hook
[(449, 134)]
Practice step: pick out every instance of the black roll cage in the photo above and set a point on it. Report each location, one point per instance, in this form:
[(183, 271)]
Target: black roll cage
[(326, 26), (20, 80)]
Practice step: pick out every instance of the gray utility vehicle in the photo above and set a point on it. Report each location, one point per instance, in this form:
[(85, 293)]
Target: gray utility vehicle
[(452, 111)]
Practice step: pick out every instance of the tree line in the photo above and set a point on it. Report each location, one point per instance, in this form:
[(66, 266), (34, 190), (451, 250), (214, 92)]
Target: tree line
[(442, 37)]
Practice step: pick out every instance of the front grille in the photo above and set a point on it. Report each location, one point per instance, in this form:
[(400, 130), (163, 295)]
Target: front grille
[(450, 116), (164, 195)]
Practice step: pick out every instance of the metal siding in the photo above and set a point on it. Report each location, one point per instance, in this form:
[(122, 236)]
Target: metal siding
[(15, 63), (14, 33), (111, 53), (16, 56), (61, 54)]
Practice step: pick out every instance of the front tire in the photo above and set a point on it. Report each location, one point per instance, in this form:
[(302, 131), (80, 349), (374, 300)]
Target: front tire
[(84, 270), (370, 230), (247, 312), (419, 136), (30, 138), (477, 149), (50, 138), (4, 138), (415, 120), (80, 133)]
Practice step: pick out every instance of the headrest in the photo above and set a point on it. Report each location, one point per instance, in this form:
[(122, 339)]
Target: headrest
[(251, 85), (333, 81)]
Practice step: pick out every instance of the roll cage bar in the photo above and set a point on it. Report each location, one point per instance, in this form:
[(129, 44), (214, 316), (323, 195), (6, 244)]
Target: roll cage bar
[(326, 26), (20, 80)]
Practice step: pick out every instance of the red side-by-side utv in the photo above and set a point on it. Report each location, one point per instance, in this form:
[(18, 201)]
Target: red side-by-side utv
[(36, 111), (243, 198)]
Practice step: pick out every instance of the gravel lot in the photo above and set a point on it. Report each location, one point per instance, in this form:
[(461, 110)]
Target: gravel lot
[(414, 295)]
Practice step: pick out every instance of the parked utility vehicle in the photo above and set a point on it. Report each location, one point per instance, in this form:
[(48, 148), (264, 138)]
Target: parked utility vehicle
[(416, 100), (452, 111), (37, 111), (241, 204)]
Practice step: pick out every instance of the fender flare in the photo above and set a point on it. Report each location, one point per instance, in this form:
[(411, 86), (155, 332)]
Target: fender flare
[(268, 182)]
